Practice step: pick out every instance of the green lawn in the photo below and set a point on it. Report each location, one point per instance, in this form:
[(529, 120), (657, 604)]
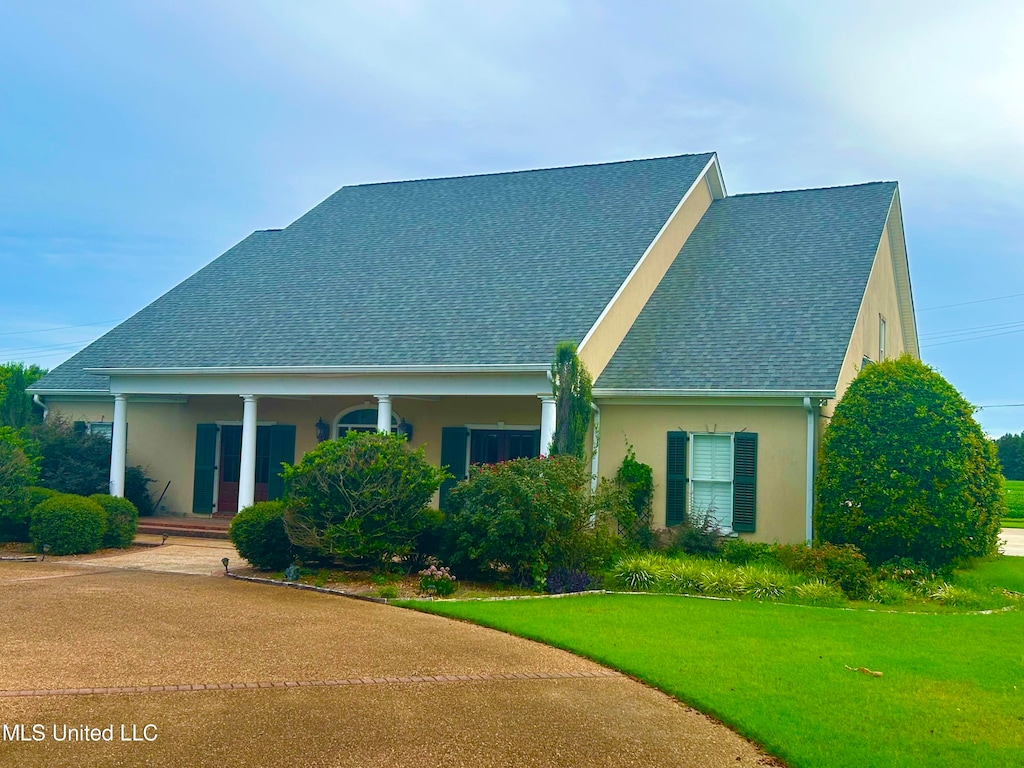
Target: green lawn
[(1015, 498), (952, 692)]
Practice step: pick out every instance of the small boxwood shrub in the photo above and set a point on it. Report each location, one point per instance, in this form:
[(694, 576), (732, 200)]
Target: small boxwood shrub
[(259, 536), (69, 524), (843, 566), (122, 520)]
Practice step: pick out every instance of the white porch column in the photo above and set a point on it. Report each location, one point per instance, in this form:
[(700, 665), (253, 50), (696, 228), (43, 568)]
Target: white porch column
[(118, 445), (247, 470), (547, 423), (383, 413)]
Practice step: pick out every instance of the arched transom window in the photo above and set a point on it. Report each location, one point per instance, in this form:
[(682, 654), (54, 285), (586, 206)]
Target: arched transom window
[(360, 419)]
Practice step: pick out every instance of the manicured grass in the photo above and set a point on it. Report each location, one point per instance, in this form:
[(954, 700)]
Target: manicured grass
[(952, 693), (1009, 522), (1015, 498)]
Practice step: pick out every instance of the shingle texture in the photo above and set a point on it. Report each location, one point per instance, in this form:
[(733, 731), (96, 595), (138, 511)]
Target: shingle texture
[(763, 295), (492, 269)]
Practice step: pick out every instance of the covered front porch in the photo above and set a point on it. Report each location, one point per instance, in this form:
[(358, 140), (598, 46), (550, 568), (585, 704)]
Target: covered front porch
[(222, 450)]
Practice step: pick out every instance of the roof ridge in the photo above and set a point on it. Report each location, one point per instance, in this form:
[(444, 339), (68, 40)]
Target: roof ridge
[(813, 189), (530, 170)]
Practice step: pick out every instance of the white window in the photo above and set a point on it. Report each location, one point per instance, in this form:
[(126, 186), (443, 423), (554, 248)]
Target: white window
[(881, 338), (104, 428), (711, 468)]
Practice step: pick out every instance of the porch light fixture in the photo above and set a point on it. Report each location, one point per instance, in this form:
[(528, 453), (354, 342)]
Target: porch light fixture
[(323, 430), (405, 428), (224, 561)]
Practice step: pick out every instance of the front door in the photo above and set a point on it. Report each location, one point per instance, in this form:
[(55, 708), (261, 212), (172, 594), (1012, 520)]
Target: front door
[(231, 465)]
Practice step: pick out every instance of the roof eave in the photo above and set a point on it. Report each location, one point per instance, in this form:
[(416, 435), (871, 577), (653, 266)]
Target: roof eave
[(603, 392), (311, 370)]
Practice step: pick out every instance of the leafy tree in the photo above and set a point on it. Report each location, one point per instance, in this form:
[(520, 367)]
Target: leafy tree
[(571, 387), (361, 499), (1011, 455), (17, 473), (906, 471), (16, 408)]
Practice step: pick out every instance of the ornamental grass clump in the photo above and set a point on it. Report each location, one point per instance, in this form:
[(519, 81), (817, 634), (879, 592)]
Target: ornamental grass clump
[(820, 593), (438, 582), (721, 580), (945, 593), (641, 573), (764, 583)]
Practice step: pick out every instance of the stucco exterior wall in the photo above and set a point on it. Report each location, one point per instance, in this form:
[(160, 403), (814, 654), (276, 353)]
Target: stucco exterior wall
[(611, 329), (880, 300), (781, 454), (162, 436)]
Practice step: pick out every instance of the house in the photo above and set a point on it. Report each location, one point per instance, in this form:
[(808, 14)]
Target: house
[(719, 330)]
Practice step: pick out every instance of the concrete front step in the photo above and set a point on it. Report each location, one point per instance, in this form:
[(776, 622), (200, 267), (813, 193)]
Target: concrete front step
[(181, 528)]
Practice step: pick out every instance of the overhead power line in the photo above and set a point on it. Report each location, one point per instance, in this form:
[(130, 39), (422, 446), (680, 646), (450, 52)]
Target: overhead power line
[(65, 345), (59, 328), (973, 338), (976, 301), (972, 329), (1004, 405)]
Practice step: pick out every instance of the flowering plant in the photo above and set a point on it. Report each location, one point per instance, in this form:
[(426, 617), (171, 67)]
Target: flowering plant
[(437, 581)]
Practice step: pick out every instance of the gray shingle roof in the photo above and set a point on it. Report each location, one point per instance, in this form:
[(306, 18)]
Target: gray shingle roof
[(763, 295), (492, 269)]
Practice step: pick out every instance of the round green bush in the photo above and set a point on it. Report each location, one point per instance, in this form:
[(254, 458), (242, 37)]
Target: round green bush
[(361, 499), (70, 524), (37, 495), (905, 470), (122, 520), (259, 536)]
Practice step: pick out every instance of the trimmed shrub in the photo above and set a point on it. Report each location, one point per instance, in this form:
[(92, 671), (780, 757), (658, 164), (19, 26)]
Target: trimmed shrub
[(743, 552), (37, 495), (136, 490), (361, 499), (906, 471), (524, 518), (70, 524), (259, 536), (122, 520), (16, 476), (843, 566)]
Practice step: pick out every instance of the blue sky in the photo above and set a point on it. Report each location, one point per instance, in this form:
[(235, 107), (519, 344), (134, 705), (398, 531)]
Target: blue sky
[(138, 141)]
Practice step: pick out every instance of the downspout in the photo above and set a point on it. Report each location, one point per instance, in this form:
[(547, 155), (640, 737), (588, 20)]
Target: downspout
[(39, 401), (593, 456), (809, 510)]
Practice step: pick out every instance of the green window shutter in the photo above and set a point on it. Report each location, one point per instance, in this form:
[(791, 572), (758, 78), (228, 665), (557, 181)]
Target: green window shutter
[(675, 485), (206, 468), (282, 451), (453, 457), (536, 443), (744, 486)]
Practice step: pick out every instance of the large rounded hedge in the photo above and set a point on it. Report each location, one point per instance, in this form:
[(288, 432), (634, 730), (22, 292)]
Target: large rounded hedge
[(259, 536), (122, 520), (70, 524), (905, 470)]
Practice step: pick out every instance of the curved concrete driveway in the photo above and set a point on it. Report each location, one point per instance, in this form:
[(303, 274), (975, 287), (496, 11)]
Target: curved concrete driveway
[(357, 683)]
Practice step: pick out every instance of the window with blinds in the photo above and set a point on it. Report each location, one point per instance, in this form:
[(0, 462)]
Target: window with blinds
[(711, 476)]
